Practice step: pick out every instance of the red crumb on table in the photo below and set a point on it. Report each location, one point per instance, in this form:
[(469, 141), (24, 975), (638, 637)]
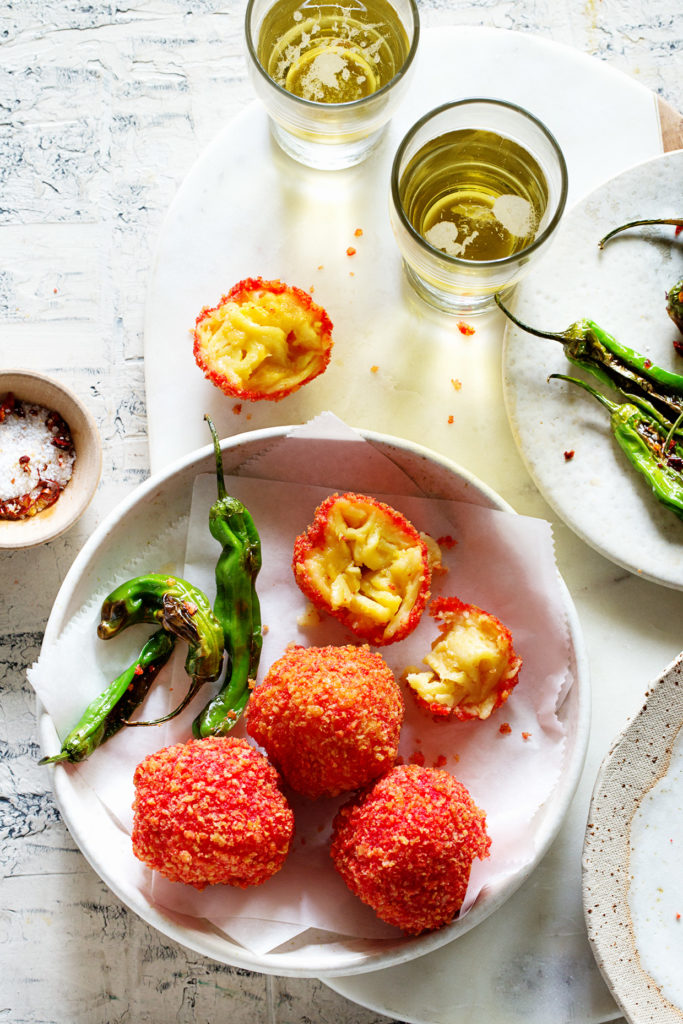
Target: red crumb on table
[(457, 384), (237, 409), (526, 736), (358, 232), (569, 455), (446, 541), (328, 718), (211, 812), (417, 757), (350, 251), (505, 728), (465, 328), (405, 846), (440, 761), (451, 418)]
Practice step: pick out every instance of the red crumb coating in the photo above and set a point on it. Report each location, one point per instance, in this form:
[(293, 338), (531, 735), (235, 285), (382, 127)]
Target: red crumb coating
[(316, 363), (211, 812), (328, 717), (406, 845), (494, 684), (391, 562)]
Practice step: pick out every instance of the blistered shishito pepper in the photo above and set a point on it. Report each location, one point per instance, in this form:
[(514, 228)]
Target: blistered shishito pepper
[(636, 376), (647, 444), (674, 297), (111, 710), (236, 606), (179, 608)]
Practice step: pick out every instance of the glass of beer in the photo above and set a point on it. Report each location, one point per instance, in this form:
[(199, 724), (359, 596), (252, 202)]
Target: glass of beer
[(478, 188), (330, 75)]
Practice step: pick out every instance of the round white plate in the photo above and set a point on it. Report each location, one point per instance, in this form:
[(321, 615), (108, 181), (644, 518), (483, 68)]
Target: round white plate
[(623, 289), (632, 892), (152, 507)]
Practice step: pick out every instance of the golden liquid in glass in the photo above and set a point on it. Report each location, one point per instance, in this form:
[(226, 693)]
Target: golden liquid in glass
[(332, 53), (474, 194)]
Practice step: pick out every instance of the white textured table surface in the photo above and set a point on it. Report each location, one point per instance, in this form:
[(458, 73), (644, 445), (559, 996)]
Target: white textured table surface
[(104, 109)]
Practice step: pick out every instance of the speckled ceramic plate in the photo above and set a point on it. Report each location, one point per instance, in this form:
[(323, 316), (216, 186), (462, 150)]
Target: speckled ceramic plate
[(632, 887), (622, 288), (165, 499)]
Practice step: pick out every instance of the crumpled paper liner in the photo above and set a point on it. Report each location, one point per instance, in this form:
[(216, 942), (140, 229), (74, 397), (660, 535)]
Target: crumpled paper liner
[(500, 561)]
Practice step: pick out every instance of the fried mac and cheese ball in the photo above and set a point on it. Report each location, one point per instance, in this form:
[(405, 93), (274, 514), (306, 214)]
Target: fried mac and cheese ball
[(405, 846), (211, 812), (363, 562), (328, 717), (473, 666), (263, 340)]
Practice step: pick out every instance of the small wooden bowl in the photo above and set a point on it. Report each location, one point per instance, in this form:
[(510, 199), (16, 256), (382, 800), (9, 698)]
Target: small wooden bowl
[(76, 496)]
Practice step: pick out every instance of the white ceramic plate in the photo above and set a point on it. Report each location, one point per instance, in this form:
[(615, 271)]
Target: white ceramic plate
[(151, 507), (623, 289), (632, 891)]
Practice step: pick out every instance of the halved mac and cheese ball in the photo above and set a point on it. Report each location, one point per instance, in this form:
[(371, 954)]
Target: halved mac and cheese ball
[(364, 563), (473, 666), (263, 340)]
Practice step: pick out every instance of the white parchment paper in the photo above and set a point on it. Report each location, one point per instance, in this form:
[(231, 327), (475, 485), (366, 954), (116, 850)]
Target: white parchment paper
[(500, 561)]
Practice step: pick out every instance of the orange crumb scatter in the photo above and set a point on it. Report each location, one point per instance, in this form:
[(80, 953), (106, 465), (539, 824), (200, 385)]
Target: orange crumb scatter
[(364, 563), (465, 328), (569, 455), (350, 251), (451, 419), (526, 736), (457, 384), (237, 408), (211, 812), (505, 728), (405, 846), (358, 232), (328, 718), (374, 369), (472, 665)]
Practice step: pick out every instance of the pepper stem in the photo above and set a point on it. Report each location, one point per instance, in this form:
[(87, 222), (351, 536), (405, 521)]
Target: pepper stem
[(220, 476), (675, 221), (525, 327), (586, 387)]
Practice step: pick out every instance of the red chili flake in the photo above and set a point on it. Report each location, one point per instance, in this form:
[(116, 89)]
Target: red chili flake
[(350, 251), (465, 328), (569, 455), (440, 761), (446, 541), (505, 728), (358, 232), (457, 384), (138, 670), (526, 736), (237, 408), (451, 419), (678, 917), (679, 228), (647, 363), (417, 758)]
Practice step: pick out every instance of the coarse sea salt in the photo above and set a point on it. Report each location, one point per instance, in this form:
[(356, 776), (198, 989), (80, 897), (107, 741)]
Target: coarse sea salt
[(28, 456)]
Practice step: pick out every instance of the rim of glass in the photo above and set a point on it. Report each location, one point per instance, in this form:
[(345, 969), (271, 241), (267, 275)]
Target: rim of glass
[(316, 104), (458, 260)]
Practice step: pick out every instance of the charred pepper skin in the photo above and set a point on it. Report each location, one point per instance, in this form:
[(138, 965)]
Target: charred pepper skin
[(589, 346), (646, 443), (178, 607), (236, 606), (111, 710)]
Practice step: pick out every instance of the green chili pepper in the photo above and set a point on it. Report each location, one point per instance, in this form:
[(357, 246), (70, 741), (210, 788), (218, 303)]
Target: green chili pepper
[(674, 297), (181, 609), (636, 376), (110, 711), (650, 449), (236, 606)]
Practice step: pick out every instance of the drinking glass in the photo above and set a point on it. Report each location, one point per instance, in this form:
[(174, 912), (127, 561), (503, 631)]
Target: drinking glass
[(323, 132), (478, 188)]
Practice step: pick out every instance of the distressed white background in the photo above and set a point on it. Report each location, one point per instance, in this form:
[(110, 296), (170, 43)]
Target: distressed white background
[(104, 106)]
